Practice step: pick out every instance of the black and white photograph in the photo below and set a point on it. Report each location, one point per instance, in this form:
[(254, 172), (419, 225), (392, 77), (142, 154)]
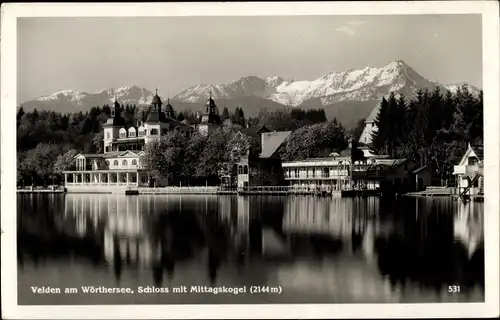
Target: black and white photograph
[(248, 155)]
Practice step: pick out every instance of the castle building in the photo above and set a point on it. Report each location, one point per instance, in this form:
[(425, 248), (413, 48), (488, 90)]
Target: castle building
[(118, 137), (119, 164)]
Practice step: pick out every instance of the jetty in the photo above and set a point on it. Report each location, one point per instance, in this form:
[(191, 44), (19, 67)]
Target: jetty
[(52, 189)]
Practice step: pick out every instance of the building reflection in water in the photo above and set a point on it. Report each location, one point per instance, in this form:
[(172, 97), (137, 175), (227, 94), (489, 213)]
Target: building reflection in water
[(421, 248), (469, 226), (308, 243)]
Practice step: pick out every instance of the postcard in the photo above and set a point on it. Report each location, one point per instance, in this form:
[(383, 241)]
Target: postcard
[(250, 160)]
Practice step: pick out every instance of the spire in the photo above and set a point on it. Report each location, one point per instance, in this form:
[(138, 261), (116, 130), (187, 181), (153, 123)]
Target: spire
[(210, 94), (156, 90)]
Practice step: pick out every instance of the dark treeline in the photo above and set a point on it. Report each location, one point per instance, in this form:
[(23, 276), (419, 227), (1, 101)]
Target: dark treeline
[(47, 141), (288, 118), (432, 129)]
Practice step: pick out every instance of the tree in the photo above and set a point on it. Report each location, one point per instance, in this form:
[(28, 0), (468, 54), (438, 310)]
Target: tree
[(225, 114), (98, 142), (314, 141), (358, 130), (379, 136), (20, 114), (215, 154), (154, 160), (238, 117), (40, 161), (64, 162), (180, 117)]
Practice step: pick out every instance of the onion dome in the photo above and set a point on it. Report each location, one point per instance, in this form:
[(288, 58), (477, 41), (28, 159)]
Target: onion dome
[(156, 99), (169, 110)]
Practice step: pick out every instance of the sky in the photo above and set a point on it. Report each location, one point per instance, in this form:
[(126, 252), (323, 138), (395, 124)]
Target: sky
[(174, 53)]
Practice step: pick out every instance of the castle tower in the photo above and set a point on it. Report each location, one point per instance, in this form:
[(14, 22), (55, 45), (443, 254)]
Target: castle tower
[(112, 126), (169, 110), (210, 120)]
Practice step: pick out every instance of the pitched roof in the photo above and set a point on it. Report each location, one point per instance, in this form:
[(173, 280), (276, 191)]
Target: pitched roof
[(478, 150), (90, 155), (373, 115), (112, 154), (128, 153), (271, 141), (254, 131), (422, 168)]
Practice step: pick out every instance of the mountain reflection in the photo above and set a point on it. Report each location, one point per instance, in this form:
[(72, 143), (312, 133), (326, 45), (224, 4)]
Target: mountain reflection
[(303, 242)]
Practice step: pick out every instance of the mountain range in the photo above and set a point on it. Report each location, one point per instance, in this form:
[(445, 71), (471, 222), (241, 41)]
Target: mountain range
[(348, 95)]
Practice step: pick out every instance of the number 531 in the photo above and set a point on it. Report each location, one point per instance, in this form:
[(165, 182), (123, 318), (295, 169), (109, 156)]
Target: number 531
[(454, 289)]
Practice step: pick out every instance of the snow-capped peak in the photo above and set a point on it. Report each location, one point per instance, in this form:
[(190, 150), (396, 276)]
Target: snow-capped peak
[(363, 84)]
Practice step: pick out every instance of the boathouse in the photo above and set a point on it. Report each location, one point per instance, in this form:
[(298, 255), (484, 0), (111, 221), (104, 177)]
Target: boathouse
[(342, 173), (262, 167), (469, 171)]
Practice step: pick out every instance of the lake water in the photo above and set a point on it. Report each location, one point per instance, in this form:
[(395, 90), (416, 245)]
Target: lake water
[(313, 250)]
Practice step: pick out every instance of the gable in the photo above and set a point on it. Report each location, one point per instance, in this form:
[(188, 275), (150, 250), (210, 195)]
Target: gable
[(469, 153), (128, 154)]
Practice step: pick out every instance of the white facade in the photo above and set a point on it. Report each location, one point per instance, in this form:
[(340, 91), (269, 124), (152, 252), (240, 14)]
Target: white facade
[(370, 126), (331, 174), (469, 172)]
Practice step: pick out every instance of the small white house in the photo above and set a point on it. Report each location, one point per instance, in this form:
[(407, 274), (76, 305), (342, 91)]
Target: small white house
[(469, 171)]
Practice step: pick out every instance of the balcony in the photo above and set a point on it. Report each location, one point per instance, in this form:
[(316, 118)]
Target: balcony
[(469, 171), (366, 175)]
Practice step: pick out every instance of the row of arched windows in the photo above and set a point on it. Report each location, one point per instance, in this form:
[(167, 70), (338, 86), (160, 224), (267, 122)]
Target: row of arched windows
[(132, 132), (141, 132)]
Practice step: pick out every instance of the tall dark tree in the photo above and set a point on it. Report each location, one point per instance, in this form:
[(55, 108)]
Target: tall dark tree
[(358, 130), (180, 117), (379, 136), (225, 114)]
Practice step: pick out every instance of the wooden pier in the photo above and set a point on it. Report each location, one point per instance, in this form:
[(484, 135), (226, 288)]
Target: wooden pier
[(41, 190)]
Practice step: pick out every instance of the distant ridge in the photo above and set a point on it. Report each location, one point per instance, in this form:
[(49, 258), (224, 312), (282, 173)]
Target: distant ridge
[(348, 95)]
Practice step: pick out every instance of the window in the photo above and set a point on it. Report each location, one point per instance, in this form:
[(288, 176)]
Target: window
[(123, 133), (115, 163), (131, 133), (472, 161), (107, 163), (141, 133), (107, 135), (239, 170), (245, 169), (124, 163), (154, 132), (134, 162)]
